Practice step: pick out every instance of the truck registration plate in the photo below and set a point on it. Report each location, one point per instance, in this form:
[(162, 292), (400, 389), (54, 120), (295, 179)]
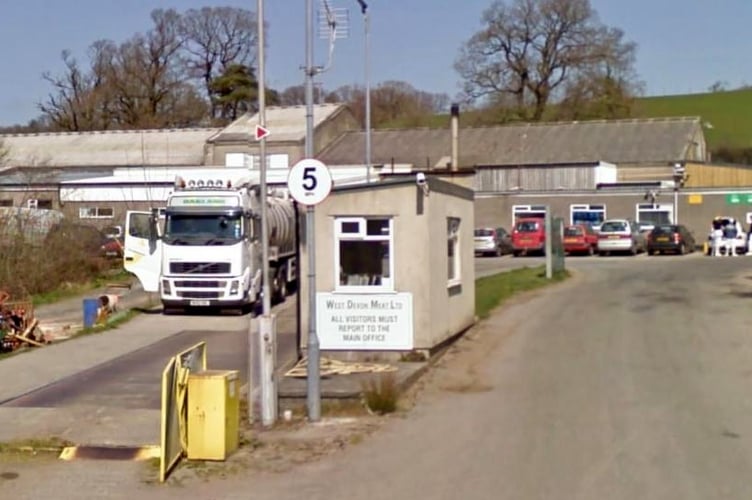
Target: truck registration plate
[(199, 302)]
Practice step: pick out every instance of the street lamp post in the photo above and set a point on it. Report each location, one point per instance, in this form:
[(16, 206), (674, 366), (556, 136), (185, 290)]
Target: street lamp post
[(679, 178)]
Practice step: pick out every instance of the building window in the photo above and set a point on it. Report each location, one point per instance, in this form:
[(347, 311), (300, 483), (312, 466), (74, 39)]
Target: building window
[(537, 211), (590, 215), (453, 251), (96, 213), (6, 203), (363, 254)]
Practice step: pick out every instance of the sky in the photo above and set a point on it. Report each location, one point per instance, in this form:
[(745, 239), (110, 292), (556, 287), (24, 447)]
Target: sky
[(683, 46)]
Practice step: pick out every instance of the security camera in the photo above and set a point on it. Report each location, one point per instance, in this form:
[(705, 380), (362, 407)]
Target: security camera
[(420, 179)]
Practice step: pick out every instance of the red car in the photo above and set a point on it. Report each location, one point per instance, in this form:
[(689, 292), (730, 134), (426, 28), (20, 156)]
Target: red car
[(581, 239), (529, 236)]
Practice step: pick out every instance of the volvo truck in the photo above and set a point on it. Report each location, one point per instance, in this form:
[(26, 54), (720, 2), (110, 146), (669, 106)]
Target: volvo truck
[(204, 248)]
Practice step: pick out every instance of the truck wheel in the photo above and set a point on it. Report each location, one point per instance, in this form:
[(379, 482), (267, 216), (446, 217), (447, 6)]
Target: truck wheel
[(279, 284)]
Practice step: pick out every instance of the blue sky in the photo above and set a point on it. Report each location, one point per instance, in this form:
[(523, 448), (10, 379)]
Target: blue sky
[(683, 46)]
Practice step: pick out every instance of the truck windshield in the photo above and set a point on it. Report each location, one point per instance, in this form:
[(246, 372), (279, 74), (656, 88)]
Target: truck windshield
[(198, 230)]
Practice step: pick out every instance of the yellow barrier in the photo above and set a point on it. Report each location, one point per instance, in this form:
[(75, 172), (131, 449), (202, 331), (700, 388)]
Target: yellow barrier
[(174, 425)]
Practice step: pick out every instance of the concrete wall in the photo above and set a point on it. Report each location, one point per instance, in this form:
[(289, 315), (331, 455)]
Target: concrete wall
[(451, 309), (420, 254)]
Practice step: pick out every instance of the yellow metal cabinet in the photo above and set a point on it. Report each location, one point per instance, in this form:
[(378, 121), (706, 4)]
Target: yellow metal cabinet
[(213, 414)]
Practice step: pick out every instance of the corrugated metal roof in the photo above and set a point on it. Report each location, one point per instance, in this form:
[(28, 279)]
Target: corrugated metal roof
[(110, 148), (617, 141), (46, 175), (285, 123)]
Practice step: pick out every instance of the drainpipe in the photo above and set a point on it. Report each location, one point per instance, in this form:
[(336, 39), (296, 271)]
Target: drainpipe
[(455, 136)]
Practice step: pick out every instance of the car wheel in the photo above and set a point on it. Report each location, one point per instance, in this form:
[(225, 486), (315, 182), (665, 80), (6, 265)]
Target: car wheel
[(633, 250), (498, 252), (682, 249), (516, 253), (591, 251)]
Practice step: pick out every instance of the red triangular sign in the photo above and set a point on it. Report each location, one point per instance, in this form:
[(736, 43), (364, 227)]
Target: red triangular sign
[(261, 132)]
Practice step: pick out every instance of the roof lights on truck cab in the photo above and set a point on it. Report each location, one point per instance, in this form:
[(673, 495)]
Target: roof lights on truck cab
[(181, 183)]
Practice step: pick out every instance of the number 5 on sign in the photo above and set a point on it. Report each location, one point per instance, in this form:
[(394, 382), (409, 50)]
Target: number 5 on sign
[(309, 181)]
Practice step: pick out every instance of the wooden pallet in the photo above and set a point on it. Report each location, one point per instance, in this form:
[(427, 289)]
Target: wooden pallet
[(329, 367)]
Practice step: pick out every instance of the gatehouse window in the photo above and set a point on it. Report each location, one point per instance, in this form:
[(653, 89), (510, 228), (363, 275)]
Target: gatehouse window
[(363, 254), (453, 251)]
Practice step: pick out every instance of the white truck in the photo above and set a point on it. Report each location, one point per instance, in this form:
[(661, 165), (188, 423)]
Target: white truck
[(204, 248)]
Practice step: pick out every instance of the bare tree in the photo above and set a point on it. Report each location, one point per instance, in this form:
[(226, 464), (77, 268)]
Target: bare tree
[(529, 49), (214, 38), (392, 102), (69, 106)]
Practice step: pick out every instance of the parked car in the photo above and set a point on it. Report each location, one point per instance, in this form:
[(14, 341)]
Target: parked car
[(492, 241), (670, 238), (580, 239), (620, 235), (113, 247), (528, 236)]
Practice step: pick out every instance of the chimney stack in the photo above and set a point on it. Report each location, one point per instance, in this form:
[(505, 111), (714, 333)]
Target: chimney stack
[(455, 136)]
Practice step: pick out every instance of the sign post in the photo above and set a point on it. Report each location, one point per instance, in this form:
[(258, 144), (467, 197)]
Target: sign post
[(309, 183)]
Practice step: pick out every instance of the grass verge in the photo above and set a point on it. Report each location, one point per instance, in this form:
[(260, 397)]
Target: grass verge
[(492, 291)]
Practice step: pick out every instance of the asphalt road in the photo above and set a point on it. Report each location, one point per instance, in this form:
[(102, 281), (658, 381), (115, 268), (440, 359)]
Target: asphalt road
[(133, 381), (630, 381)]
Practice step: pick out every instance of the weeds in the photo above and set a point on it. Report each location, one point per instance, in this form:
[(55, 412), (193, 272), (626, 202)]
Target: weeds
[(380, 395)]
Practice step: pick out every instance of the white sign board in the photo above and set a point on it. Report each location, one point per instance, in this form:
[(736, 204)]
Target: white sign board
[(370, 322), (309, 181)]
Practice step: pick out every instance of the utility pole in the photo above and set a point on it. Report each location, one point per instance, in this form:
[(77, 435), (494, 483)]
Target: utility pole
[(313, 395), (366, 57), (267, 334)]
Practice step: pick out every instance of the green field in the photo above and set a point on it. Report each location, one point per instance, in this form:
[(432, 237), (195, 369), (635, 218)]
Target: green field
[(727, 116)]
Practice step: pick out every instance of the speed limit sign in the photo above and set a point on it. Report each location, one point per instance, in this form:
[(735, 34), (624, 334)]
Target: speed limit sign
[(309, 181)]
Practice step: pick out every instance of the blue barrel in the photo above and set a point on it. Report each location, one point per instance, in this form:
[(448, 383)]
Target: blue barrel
[(90, 312)]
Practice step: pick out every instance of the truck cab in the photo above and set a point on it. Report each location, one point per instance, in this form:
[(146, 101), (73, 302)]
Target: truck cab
[(207, 251)]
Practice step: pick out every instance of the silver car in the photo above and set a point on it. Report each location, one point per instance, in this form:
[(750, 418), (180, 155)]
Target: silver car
[(492, 241), (620, 235)]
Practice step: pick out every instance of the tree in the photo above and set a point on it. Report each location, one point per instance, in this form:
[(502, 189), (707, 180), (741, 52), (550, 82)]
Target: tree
[(391, 102), (215, 38), (234, 92), (139, 84), (529, 50)]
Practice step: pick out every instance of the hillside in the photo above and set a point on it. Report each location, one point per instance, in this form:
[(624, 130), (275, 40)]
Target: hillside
[(727, 115)]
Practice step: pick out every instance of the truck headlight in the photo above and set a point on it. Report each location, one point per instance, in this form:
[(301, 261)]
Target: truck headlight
[(166, 287), (234, 286)]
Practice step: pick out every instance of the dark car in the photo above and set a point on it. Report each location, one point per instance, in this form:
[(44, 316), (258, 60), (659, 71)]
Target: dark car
[(674, 238)]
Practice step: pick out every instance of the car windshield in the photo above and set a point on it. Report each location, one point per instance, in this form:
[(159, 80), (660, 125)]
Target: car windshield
[(215, 229), (613, 227), (484, 232), (527, 226), (572, 231), (664, 229)]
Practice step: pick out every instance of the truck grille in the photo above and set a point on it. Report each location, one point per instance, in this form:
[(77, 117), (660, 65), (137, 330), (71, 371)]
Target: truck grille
[(199, 295), (200, 267), (200, 284)]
